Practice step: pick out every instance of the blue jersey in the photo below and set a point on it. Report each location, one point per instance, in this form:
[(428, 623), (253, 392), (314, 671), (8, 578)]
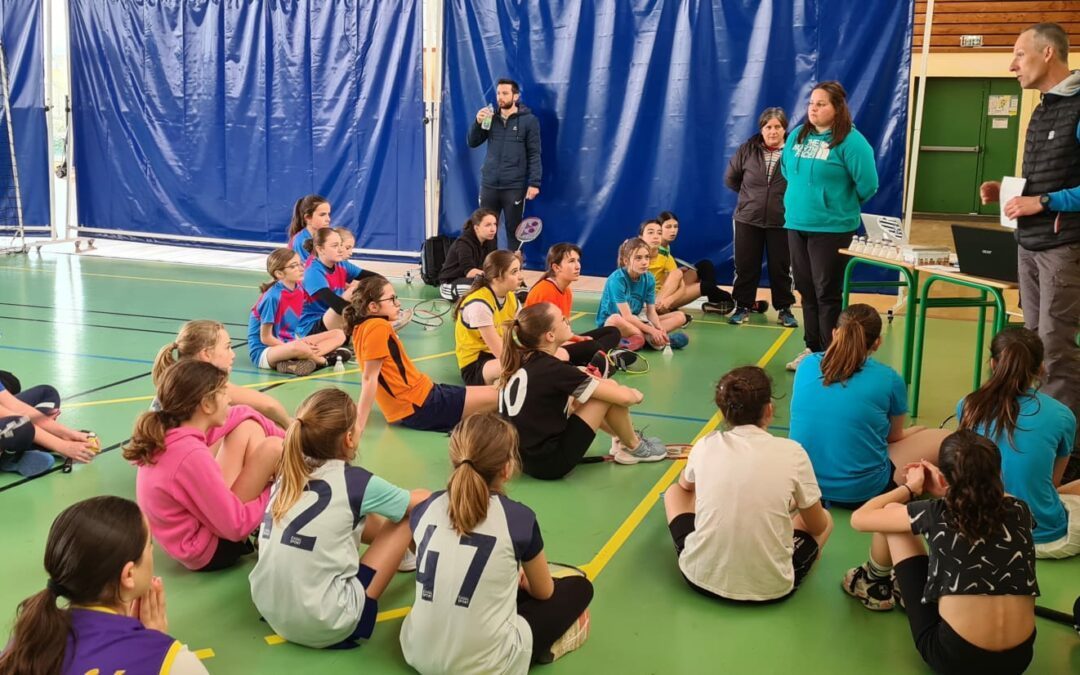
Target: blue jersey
[(317, 277), (619, 288), (1045, 429), (280, 307), (297, 244), (845, 426)]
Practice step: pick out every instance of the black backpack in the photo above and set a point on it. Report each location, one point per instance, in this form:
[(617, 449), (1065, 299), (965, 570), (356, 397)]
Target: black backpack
[(432, 257)]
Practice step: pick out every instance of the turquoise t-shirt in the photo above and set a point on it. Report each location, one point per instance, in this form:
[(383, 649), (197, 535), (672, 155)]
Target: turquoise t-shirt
[(619, 287), (1044, 433), (845, 426), (827, 186)]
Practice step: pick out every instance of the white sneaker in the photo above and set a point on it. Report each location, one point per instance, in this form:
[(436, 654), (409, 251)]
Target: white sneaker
[(408, 563), (794, 365), (650, 449)]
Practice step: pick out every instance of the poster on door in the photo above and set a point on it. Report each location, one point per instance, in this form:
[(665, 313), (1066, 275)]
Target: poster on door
[(1001, 105)]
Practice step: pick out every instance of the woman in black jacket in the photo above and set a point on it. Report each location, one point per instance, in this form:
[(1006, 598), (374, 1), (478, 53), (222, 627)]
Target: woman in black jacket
[(754, 172), (465, 258)]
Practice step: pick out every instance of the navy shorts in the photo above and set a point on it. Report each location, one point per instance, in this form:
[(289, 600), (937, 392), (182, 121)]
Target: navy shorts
[(473, 374), (366, 625), (442, 409)]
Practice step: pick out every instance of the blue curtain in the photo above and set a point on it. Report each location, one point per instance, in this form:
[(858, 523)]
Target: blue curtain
[(642, 103), (21, 29), (210, 118)]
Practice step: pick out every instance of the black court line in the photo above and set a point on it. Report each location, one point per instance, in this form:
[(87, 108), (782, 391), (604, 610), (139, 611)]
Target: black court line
[(101, 311), (107, 386)]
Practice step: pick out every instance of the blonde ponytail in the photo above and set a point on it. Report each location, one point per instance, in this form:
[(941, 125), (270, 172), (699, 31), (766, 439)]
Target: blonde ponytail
[(481, 446)]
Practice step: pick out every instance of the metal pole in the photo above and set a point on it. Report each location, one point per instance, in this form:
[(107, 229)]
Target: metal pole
[(913, 170)]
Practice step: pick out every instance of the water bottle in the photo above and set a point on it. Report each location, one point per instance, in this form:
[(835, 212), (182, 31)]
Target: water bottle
[(486, 124)]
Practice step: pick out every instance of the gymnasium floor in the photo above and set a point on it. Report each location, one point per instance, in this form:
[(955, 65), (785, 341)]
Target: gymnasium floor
[(91, 327)]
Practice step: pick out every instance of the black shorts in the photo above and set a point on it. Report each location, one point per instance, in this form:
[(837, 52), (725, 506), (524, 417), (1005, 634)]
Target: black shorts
[(441, 411), (227, 554), (889, 487), (473, 374), (319, 327), (558, 455), (938, 644), (803, 556)]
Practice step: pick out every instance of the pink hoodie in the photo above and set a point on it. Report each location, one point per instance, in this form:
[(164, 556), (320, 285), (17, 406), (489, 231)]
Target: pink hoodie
[(185, 498)]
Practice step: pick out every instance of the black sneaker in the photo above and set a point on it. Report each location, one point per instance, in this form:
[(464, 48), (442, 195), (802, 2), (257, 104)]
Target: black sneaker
[(622, 359), (599, 364), (723, 307), (340, 355)]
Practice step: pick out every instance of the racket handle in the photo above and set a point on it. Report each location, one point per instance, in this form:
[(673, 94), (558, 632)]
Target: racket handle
[(1054, 615)]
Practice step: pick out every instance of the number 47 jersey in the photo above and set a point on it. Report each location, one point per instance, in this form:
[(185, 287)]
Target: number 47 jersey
[(464, 618), (305, 584)]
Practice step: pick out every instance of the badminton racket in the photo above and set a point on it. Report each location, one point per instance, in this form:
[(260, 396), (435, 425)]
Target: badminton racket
[(430, 313), (528, 230), (1061, 617), (561, 570), (674, 451), (626, 361)]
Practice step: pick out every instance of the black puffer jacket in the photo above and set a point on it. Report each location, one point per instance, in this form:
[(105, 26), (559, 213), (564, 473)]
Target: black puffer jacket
[(513, 153), (761, 203), (465, 254)]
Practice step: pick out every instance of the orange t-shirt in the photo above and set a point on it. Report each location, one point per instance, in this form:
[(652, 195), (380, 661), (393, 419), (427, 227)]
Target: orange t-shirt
[(546, 290), (402, 388)]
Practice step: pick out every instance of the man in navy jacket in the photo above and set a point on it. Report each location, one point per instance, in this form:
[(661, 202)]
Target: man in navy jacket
[(512, 169)]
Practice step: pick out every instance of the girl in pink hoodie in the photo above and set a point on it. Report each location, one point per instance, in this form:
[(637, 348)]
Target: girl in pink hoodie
[(198, 517)]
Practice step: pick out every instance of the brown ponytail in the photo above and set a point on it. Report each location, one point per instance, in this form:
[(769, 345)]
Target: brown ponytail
[(302, 210), (481, 446), (88, 546), (317, 434), (975, 501), (276, 262), (1017, 355), (521, 336), (858, 329), (183, 387), (319, 239), (496, 264), (743, 394), (194, 337), (369, 290)]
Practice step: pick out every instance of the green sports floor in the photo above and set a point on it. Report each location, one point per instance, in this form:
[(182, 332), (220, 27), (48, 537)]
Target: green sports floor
[(91, 326)]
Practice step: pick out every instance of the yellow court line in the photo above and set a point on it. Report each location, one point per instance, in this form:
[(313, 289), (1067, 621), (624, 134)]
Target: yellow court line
[(577, 315), (612, 546), (203, 654), (388, 615)]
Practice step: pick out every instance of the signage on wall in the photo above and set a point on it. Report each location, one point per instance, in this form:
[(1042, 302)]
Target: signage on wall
[(1002, 104)]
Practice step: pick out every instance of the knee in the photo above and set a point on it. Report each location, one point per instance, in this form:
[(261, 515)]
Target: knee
[(16, 434)]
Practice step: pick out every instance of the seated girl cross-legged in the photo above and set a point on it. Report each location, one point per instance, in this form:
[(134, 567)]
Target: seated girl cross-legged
[(629, 302)]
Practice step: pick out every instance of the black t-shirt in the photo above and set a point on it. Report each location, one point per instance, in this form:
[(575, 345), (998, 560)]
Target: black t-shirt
[(1001, 565), (536, 400)]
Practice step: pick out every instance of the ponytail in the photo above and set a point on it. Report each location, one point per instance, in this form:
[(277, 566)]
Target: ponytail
[(318, 240), (39, 638), (496, 264), (522, 336), (1017, 355), (162, 361), (317, 434), (194, 337), (856, 332), (975, 502), (369, 290), (481, 446), (302, 210), (276, 262)]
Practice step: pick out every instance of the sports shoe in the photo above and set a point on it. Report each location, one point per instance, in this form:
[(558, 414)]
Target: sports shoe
[(679, 340), (632, 343), (785, 318), (898, 599), (622, 359), (29, 463), (339, 355), (648, 450), (874, 594), (689, 320), (617, 446), (300, 367), (793, 365), (722, 307), (408, 563), (572, 639), (741, 315), (599, 365)]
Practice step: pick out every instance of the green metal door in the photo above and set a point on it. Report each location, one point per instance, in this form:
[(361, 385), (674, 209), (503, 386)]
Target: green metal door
[(963, 144)]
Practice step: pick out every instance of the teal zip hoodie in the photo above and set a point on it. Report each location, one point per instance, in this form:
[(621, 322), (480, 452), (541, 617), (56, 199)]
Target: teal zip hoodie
[(826, 186)]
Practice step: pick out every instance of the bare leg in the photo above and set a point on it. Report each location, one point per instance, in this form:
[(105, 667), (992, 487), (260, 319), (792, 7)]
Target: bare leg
[(689, 292), (1072, 488), (677, 501), (492, 371), (918, 446), (624, 326), (480, 400), (672, 321), (799, 524), (333, 321), (296, 349), (389, 541), (248, 460), (615, 419)]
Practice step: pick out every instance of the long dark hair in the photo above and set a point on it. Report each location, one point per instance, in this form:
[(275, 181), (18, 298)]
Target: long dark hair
[(475, 219), (303, 209), (975, 501), (856, 331), (89, 544), (743, 394), (1017, 355), (842, 124), (555, 256)]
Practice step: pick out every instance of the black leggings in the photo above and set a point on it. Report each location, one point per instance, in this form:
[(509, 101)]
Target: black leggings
[(751, 242), (604, 338), (16, 431), (706, 273), (939, 645), (550, 618), (818, 269)]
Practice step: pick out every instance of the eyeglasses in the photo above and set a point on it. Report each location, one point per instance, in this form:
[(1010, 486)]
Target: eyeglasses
[(294, 266), (392, 298)]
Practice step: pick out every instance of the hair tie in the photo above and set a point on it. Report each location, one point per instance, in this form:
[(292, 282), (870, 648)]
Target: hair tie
[(467, 461), (514, 335), (56, 588)]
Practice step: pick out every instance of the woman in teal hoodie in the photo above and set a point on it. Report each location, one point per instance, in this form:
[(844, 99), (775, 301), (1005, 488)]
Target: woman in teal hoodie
[(830, 172)]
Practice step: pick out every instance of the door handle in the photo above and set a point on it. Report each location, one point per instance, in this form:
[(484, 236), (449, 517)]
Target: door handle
[(950, 148)]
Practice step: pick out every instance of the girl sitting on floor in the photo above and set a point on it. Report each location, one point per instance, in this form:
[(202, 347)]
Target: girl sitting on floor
[(507, 611), (272, 338), (746, 513), (563, 269), (310, 214), (329, 281), (202, 506), (404, 394), (629, 302), (971, 601), (465, 258), (480, 315), (556, 407), (29, 431), (685, 284), (100, 558), (310, 583), (1035, 435), (208, 341), (857, 452)]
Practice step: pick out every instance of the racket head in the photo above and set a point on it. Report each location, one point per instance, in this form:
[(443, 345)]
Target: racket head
[(431, 313), (678, 450), (529, 229), (628, 362), (562, 570)]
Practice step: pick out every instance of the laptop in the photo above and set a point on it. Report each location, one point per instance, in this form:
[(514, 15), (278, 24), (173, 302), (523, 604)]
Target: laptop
[(986, 253), (884, 229)]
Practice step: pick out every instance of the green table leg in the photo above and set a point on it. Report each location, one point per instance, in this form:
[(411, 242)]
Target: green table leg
[(980, 336), (847, 282), (909, 322), (920, 337)]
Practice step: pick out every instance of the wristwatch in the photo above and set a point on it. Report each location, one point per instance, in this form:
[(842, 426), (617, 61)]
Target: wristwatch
[(1044, 200)]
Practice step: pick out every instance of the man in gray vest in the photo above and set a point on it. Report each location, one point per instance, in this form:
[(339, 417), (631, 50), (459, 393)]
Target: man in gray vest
[(1048, 213)]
